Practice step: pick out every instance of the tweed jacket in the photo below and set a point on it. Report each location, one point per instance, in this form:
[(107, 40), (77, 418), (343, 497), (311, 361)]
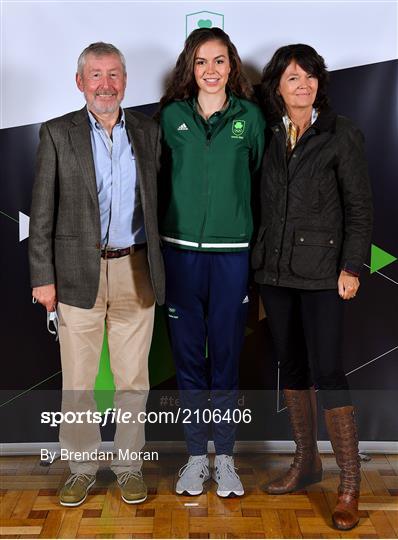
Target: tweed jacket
[(65, 230), (316, 206)]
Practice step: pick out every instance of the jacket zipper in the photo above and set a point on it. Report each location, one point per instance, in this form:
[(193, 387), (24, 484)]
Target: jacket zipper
[(207, 147), (223, 122)]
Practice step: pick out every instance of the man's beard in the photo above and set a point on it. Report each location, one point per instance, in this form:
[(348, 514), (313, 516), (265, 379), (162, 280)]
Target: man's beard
[(103, 108)]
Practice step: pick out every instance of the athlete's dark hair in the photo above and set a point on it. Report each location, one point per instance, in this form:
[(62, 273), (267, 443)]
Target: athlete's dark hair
[(182, 85)]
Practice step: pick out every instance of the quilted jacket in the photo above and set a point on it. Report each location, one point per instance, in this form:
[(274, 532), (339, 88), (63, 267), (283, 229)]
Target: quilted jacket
[(316, 206)]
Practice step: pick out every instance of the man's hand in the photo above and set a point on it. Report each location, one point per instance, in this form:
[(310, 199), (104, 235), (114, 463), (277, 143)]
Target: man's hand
[(347, 285), (46, 295)]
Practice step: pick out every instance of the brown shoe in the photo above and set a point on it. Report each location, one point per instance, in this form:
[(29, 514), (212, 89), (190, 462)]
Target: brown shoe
[(307, 466), (75, 490), (341, 426), (132, 487)]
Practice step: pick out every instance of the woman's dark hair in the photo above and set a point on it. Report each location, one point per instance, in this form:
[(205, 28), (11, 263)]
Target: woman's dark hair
[(182, 85), (309, 60)]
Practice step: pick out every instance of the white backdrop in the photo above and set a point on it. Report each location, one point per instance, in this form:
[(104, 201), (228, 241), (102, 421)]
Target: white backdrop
[(40, 43)]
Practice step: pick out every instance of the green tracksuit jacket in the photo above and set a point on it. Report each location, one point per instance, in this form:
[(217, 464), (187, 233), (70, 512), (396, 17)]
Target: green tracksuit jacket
[(209, 185)]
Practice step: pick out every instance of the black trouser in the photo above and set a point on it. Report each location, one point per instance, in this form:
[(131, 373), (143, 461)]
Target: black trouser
[(306, 327)]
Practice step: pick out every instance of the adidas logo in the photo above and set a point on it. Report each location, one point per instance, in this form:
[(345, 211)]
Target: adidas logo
[(245, 300), (183, 127)]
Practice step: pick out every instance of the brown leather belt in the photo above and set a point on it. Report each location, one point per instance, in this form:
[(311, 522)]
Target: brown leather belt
[(117, 253)]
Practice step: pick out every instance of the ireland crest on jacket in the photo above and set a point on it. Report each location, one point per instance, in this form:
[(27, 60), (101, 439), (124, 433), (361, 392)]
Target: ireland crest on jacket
[(238, 129)]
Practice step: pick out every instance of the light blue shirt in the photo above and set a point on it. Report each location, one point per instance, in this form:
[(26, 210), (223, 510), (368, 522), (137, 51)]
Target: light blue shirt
[(122, 222)]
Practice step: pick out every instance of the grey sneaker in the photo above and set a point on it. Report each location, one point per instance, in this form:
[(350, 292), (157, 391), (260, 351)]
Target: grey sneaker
[(229, 484), (192, 475), (75, 489)]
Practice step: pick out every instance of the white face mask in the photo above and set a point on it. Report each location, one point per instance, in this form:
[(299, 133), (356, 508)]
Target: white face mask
[(52, 321)]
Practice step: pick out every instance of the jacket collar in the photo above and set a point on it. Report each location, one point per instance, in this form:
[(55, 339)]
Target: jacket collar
[(326, 121), (82, 121), (233, 107), (81, 141), (131, 120), (80, 116)]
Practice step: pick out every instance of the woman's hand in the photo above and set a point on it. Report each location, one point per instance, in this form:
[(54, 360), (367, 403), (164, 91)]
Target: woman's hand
[(347, 285)]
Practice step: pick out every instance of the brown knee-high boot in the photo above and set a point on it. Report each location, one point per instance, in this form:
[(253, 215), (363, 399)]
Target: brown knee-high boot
[(314, 411), (307, 466), (341, 426)]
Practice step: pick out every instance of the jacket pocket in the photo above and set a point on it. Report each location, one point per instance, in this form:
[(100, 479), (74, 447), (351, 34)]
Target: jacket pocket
[(258, 253), (314, 254)]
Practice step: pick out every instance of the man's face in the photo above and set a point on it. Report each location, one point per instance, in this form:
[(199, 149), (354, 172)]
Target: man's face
[(103, 83)]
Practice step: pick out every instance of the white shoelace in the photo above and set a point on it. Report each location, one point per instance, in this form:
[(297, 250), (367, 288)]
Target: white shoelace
[(228, 467), (123, 478), (77, 476), (202, 463)]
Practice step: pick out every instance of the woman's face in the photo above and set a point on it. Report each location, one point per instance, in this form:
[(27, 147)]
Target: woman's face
[(212, 67), (297, 87)]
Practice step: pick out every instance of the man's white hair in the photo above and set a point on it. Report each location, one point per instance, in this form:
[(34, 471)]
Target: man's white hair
[(99, 49)]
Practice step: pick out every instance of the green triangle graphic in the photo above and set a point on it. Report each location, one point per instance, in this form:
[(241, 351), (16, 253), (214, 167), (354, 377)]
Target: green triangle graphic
[(104, 389), (161, 365), (379, 259)]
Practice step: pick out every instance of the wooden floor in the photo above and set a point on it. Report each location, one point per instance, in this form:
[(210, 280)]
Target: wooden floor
[(30, 508)]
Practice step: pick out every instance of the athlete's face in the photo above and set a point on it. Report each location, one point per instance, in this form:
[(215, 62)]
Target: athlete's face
[(212, 67)]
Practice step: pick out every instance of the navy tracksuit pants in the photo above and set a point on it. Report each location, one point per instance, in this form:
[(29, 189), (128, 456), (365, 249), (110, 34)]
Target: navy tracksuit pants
[(206, 301)]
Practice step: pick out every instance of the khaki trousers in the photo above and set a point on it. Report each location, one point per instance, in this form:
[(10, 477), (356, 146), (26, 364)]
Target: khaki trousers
[(126, 303)]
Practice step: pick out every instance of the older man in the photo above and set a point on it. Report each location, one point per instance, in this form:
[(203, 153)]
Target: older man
[(95, 258)]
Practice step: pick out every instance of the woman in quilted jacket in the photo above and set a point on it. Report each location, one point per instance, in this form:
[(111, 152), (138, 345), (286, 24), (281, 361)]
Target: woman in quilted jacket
[(313, 240)]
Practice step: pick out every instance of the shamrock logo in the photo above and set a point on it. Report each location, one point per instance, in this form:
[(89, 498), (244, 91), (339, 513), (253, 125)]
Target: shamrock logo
[(205, 23), (238, 127)]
